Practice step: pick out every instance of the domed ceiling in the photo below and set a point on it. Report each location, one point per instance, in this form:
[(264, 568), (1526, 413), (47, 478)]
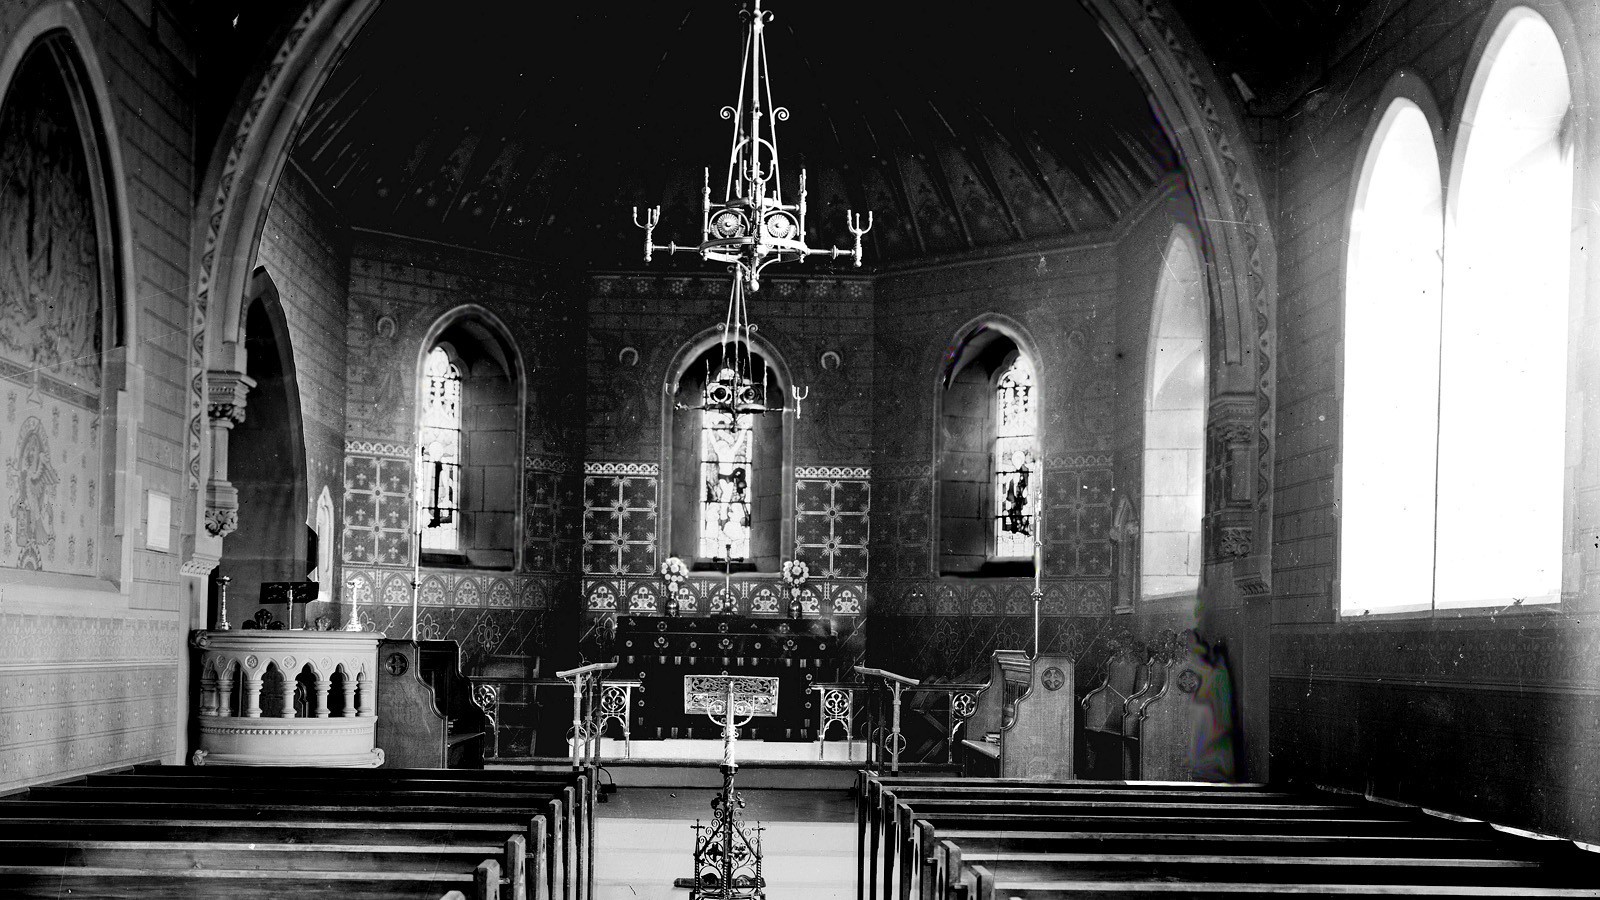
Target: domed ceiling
[(533, 129)]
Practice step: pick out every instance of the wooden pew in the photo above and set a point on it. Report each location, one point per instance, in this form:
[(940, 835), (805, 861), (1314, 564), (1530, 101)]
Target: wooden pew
[(880, 832), (902, 845), (426, 714), (575, 833), (136, 883), (1221, 876), (1249, 840), (376, 810), (1023, 726)]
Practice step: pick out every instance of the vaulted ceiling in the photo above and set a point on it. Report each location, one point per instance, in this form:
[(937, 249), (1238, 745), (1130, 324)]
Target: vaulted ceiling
[(535, 128), (532, 128)]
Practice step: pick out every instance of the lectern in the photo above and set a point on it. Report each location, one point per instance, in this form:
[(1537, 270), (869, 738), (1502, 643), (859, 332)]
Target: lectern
[(727, 854)]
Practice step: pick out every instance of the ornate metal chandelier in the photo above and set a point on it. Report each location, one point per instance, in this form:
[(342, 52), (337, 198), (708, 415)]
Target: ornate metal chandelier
[(751, 227)]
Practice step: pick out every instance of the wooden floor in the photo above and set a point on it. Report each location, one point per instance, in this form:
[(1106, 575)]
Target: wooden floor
[(644, 840)]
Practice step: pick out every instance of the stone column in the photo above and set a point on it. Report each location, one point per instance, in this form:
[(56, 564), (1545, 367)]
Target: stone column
[(349, 696), (369, 697), (321, 708), (227, 391), (252, 696)]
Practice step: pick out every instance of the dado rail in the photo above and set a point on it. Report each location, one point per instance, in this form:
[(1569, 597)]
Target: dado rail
[(276, 698)]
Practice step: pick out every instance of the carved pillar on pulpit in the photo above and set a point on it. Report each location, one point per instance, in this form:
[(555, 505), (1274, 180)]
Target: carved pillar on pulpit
[(226, 392)]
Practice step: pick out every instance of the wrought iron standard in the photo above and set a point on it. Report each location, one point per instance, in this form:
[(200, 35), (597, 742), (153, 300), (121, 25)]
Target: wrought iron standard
[(727, 853), (893, 742), (836, 706)]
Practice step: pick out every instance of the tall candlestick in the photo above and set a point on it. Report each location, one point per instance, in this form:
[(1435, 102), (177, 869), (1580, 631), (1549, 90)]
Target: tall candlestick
[(1038, 550), (416, 543)]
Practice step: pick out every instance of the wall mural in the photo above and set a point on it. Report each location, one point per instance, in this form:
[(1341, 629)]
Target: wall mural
[(50, 327)]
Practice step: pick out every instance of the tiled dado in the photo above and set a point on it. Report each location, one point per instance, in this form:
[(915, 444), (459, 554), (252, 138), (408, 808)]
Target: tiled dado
[(992, 597), (55, 641), (704, 592), (84, 693), (371, 588)]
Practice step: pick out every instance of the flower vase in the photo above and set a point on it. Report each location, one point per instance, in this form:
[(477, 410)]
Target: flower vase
[(673, 606), (795, 608)]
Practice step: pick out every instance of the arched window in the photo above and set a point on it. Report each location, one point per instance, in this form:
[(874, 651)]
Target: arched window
[(1174, 426), (469, 422), (728, 484), (1503, 372), (1016, 460), (441, 451), (988, 465), (1391, 326)]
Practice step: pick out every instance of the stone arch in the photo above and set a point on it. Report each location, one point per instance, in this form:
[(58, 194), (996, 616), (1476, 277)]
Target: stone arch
[(235, 192), (963, 433), (1236, 239), (777, 366), (483, 337)]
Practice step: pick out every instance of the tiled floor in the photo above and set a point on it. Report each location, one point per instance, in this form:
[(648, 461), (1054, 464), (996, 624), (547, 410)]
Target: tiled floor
[(645, 840)]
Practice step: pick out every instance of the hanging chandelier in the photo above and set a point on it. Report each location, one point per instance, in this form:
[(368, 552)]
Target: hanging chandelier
[(751, 227)]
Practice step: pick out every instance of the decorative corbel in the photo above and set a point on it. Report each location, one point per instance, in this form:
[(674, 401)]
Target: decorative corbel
[(225, 408)]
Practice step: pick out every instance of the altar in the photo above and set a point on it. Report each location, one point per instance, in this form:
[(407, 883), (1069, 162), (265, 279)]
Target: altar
[(659, 651)]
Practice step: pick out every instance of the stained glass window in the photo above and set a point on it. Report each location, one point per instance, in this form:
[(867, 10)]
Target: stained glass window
[(726, 475), (1016, 460), (440, 477)]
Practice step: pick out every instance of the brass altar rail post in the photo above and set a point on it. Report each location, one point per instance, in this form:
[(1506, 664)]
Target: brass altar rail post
[(894, 742), (585, 682)]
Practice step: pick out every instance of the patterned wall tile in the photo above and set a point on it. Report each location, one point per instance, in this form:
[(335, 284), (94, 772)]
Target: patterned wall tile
[(1078, 515), (377, 503), (705, 593), (832, 526), (619, 524), (552, 532)]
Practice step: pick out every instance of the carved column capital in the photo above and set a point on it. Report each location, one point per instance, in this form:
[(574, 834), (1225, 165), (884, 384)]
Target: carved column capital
[(222, 522), (226, 391)]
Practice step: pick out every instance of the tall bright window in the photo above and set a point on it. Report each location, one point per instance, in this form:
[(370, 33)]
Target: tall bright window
[(1503, 397), (441, 452), (1016, 460), (1175, 427), (727, 466), (1391, 369), (1453, 482)]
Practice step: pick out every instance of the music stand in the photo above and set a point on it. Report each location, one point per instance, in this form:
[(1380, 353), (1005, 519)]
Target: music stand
[(289, 593)]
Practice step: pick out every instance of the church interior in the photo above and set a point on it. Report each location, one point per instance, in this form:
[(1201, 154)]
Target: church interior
[(1110, 395)]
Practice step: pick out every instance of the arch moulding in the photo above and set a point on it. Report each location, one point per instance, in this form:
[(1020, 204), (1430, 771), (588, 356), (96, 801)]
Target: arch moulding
[(239, 182), (1240, 257)]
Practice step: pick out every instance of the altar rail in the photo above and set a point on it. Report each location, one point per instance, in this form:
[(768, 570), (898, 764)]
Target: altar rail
[(303, 698)]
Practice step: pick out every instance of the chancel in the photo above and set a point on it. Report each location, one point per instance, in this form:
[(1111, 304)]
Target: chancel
[(1113, 447)]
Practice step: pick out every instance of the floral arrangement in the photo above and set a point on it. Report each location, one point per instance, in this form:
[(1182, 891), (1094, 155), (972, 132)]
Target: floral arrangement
[(674, 571), (794, 572)]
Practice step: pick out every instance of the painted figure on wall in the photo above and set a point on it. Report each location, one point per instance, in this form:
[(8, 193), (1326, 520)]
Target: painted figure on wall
[(33, 507), (51, 311)]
